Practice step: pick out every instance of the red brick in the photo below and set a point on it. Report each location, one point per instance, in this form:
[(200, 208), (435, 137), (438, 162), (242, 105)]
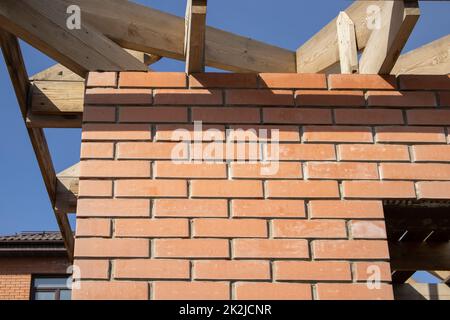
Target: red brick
[(148, 150), (99, 114), (108, 248), (364, 271), (353, 81), (153, 114), (226, 151), (378, 189), (368, 117), (223, 80), (115, 131), (353, 291), (425, 82), (324, 98), (334, 170), (346, 209), (151, 269), (350, 249), (269, 208), (410, 134), (118, 169), (111, 290), (376, 152), (93, 228), (303, 152), (309, 229), (226, 189), (151, 228), (226, 115), (264, 133), (312, 270), (188, 97), (190, 208), (95, 188), (297, 116), (269, 170), (302, 189), (230, 228), (185, 132), (431, 153), (337, 134), (168, 169), (231, 270), (97, 150), (270, 248), (293, 80), (368, 229), (191, 248), (428, 117), (153, 79), (113, 208), (415, 171), (151, 188), (272, 291), (259, 97), (401, 99), (197, 290), (433, 190), (102, 79), (92, 269), (444, 99), (118, 96)]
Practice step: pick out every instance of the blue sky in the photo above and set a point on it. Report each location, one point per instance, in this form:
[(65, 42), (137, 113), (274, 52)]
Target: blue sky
[(24, 204)]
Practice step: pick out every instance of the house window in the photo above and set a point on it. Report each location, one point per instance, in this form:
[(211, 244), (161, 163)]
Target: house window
[(51, 288)]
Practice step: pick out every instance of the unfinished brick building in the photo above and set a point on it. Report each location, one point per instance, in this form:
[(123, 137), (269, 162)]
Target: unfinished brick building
[(169, 210)]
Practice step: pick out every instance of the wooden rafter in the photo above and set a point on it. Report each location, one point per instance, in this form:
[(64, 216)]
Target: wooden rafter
[(421, 291), (348, 49), (194, 41), (420, 256)]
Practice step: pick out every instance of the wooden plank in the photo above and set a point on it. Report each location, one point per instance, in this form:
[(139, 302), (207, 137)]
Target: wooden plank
[(67, 189), (421, 291), (54, 121), (420, 256), (432, 58), (140, 28), (57, 97), (385, 44), (194, 41), (56, 72), (348, 51), (42, 23)]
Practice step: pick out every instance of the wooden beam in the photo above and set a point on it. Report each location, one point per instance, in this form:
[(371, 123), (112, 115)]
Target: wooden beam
[(385, 44), (420, 256), (442, 275), (57, 97), (42, 23), (56, 72), (194, 40), (67, 189), (54, 121), (421, 291), (348, 50)]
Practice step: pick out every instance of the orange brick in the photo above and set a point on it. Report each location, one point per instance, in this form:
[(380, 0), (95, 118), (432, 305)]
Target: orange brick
[(259, 97), (401, 99), (153, 114), (263, 133), (226, 115), (185, 132), (111, 290), (151, 228), (191, 248), (148, 150), (302, 189), (309, 229), (353, 81), (231, 270), (302, 152), (108, 248), (269, 208), (425, 82), (226, 189), (410, 134), (93, 227), (226, 151), (312, 270), (368, 117), (113, 208), (333, 170), (433, 190), (230, 228), (118, 96), (151, 188), (364, 271), (379, 189), (337, 134), (375, 152), (168, 169), (431, 153), (368, 229), (293, 80), (297, 116), (118, 169), (350, 249), (190, 208), (428, 117), (324, 98), (270, 170), (223, 80), (353, 291), (444, 99), (115, 131), (95, 188), (99, 114), (188, 97), (102, 79), (197, 290), (153, 79), (151, 269), (415, 171), (270, 248), (272, 291), (97, 150), (92, 269)]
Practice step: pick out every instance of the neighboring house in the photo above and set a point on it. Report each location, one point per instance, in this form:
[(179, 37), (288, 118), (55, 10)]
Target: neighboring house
[(33, 266)]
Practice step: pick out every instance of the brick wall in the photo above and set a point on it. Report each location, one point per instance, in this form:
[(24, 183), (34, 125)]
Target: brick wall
[(15, 286), (150, 228)]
